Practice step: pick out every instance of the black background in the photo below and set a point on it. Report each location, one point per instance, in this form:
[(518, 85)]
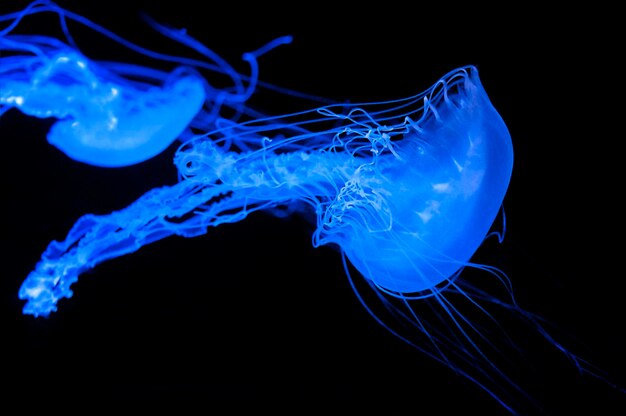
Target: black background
[(250, 311)]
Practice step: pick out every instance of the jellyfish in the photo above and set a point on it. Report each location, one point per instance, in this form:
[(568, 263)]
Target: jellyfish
[(115, 114), (416, 181)]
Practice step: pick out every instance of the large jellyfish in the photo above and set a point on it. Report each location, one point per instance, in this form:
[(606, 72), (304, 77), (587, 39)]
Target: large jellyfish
[(115, 114), (407, 190)]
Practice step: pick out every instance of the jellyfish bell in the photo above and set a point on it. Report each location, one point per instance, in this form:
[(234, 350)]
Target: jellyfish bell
[(124, 125), (108, 114), (102, 118), (435, 196), (114, 114)]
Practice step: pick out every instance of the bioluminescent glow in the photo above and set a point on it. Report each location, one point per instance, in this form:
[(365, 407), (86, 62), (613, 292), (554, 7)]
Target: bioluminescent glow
[(114, 114), (406, 190)]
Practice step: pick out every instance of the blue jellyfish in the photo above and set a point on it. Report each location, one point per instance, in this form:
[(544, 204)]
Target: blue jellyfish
[(115, 114), (407, 190)]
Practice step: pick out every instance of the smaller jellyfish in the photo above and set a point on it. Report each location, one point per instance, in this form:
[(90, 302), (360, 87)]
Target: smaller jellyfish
[(113, 114)]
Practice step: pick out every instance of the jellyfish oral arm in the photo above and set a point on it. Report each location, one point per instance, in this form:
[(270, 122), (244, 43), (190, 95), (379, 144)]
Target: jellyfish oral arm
[(94, 239), (185, 209)]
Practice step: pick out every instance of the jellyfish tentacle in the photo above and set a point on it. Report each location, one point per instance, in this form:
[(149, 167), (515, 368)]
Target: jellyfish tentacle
[(159, 213), (185, 209)]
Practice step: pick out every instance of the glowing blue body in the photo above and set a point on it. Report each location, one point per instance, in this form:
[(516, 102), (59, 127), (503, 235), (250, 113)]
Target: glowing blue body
[(407, 189), (440, 191), (102, 122), (113, 114)]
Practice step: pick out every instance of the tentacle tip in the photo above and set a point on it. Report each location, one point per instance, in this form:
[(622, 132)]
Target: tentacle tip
[(39, 309)]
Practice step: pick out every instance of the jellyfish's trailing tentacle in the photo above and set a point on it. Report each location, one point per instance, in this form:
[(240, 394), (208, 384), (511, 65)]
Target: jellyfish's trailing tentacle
[(94, 239), (114, 114), (210, 198)]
